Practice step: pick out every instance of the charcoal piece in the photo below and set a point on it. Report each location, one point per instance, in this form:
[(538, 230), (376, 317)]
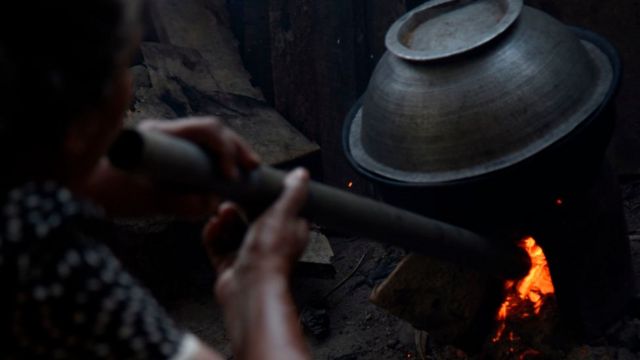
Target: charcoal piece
[(316, 322)]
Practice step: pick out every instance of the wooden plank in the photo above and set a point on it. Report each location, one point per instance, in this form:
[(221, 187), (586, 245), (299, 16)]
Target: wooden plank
[(293, 63), (179, 84), (167, 62), (204, 25)]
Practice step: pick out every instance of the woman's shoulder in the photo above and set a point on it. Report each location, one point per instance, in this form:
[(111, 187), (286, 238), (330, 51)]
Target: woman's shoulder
[(36, 210)]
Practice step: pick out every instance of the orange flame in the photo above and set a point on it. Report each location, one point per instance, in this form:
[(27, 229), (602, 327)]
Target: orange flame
[(350, 184), (533, 288)]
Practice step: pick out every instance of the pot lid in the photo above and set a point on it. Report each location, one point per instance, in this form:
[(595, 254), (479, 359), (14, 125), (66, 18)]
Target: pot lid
[(443, 28)]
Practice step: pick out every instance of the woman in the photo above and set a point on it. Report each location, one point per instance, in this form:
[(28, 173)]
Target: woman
[(64, 87)]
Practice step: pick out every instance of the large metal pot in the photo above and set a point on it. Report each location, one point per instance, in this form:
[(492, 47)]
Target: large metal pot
[(468, 88), (481, 106)]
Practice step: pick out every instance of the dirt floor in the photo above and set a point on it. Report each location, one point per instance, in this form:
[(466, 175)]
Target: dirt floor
[(341, 323)]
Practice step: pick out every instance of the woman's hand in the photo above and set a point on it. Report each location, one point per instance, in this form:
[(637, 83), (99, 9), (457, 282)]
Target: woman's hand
[(253, 283), (272, 244), (122, 194)]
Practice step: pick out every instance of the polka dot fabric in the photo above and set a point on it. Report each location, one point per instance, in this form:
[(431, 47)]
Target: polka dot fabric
[(64, 295)]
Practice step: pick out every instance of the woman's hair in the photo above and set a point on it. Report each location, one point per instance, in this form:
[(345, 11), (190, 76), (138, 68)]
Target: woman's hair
[(57, 60)]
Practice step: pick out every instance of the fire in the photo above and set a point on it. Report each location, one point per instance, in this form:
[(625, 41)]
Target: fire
[(350, 184), (533, 289)]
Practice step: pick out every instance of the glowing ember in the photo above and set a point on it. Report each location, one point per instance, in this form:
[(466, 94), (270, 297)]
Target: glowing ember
[(350, 184), (533, 289)]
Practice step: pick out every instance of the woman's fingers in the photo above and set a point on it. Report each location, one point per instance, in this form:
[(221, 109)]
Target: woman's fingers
[(294, 195), (277, 239), (302, 235), (223, 234)]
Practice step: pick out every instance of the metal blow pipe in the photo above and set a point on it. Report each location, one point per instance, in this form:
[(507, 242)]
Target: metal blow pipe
[(179, 163)]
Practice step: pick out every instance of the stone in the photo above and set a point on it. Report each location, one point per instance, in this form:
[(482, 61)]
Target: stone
[(319, 249), (316, 259)]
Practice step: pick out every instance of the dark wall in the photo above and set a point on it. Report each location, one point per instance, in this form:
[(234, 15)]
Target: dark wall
[(619, 21), (321, 54)]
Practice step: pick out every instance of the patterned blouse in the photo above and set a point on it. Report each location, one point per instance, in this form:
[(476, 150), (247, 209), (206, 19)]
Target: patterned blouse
[(64, 294)]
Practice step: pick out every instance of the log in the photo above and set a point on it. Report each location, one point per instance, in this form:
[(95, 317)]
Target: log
[(453, 304)]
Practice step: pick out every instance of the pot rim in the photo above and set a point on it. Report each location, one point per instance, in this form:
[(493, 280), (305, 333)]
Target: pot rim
[(585, 35)]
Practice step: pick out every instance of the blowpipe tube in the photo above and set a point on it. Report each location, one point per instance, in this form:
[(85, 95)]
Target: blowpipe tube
[(182, 164)]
